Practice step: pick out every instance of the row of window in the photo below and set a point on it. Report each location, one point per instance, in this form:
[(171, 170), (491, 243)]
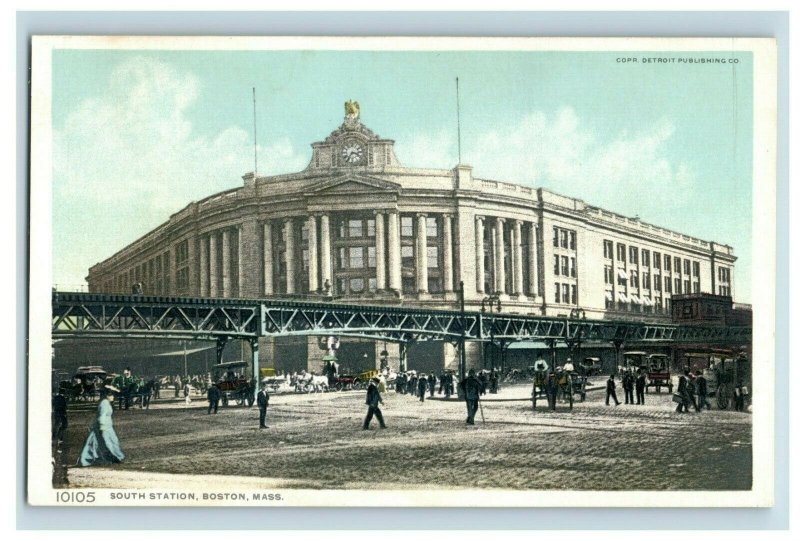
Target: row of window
[(564, 266), (654, 306), (630, 254), (724, 274), (566, 293), (564, 238), (631, 278), (725, 290)]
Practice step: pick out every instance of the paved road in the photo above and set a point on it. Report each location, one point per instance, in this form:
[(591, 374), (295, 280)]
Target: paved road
[(316, 441)]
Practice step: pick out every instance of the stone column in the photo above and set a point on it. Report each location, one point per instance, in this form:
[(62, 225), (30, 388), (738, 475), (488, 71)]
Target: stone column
[(394, 252), (422, 254), (533, 267), (313, 284), (499, 257), (172, 270), (480, 272), (203, 274), (380, 252), (326, 274), (194, 286), (267, 246), (517, 247), (226, 263), (447, 253), (212, 265), (288, 230)]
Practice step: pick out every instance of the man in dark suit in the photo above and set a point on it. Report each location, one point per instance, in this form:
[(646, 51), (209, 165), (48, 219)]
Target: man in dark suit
[(683, 393), (611, 390), (627, 386), (702, 391), (421, 387), (641, 380), (213, 398), (263, 401), (431, 383), (373, 400), (59, 418), (472, 388)]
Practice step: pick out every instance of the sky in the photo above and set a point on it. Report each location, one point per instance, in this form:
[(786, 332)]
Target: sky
[(140, 134)]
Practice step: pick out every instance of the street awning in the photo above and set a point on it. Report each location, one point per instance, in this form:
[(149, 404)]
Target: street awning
[(622, 274), (634, 299), (609, 296), (621, 297), (646, 301)]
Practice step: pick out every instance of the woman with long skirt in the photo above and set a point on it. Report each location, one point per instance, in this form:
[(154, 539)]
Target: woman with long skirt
[(102, 445)]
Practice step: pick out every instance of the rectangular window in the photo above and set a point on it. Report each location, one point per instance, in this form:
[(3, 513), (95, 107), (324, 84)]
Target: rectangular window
[(182, 279), (564, 238), (609, 301), (678, 286), (182, 252), (634, 278), (686, 266), (659, 307), (371, 228), (304, 232), (431, 227), (656, 260), (609, 275), (678, 265), (667, 285), (356, 260), (356, 285), (695, 268), (407, 256), (667, 305), (608, 249), (565, 293), (621, 252), (371, 259), (572, 240), (657, 282), (572, 271), (305, 260), (564, 265), (556, 264), (355, 228), (687, 286), (342, 230), (342, 259), (696, 287), (406, 226), (433, 257), (574, 294), (646, 280), (555, 237), (372, 284), (634, 255), (646, 258), (341, 286), (667, 263), (434, 285), (557, 291)]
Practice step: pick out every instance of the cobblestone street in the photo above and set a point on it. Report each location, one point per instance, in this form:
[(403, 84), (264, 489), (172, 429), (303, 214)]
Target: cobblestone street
[(316, 441)]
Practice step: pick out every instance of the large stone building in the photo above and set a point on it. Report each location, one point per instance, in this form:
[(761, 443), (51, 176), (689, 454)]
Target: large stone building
[(356, 225)]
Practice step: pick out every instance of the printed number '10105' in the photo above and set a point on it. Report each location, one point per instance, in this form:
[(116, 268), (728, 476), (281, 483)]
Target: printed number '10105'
[(75, 497)]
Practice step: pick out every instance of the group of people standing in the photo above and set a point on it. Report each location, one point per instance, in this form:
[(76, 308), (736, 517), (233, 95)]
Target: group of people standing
[(630, 381), (419, 385), (692, 391)]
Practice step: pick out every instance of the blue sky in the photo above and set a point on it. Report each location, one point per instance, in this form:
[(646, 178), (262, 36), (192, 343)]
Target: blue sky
[(139, 134)]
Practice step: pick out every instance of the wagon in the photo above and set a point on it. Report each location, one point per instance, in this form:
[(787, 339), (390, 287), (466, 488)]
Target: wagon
[(232, 383), (362, 380), (345, 382), (658, 374), (85, 384)]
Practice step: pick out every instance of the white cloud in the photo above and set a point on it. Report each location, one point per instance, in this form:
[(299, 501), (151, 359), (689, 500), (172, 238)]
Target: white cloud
[(435, 150), (124, 161), (562, 152)]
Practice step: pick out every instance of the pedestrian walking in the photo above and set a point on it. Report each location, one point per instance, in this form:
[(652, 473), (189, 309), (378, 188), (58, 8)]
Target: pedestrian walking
[(641, 382), (682, 395), (691, 390), (611, 390), (373, 401), (59, 416), (493, 380), (471, 388), (627, 386), (102, 445), (702, 391), (263, 402), (431, 383), (213, 395), (422, 385)]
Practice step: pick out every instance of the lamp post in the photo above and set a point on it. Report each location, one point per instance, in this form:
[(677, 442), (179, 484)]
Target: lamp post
[(493, 301), (574, 344)]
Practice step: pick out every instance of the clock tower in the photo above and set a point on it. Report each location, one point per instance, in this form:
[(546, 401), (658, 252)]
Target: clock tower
[(353, 145)]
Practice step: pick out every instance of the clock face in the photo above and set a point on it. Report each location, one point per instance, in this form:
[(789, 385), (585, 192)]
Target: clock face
[(352, 152)]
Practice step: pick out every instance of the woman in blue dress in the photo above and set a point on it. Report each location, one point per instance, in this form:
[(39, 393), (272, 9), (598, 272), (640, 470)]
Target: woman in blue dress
[(102, 445)]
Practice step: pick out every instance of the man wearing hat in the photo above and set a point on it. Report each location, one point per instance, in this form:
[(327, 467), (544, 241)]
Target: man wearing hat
[(213, 398), (702, 391), (373, 400), (263, 401), (471, 387), (422, 385)]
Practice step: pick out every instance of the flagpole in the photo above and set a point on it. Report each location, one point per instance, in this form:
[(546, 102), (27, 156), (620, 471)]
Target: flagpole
[(255, 137), (458, 121)]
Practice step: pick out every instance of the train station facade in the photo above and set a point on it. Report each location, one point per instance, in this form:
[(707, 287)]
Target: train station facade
[(357, 226)]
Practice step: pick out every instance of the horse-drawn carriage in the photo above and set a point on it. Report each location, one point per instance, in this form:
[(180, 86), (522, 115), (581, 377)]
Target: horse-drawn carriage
[(306, 382), (726, 373), (654, 365), (85, 385), (233, 384)]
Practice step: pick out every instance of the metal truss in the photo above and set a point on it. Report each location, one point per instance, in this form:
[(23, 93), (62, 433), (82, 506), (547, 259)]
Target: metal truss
[(86, 314)]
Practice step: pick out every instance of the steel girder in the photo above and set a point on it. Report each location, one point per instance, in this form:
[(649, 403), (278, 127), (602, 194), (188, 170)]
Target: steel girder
[(86, 314)]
